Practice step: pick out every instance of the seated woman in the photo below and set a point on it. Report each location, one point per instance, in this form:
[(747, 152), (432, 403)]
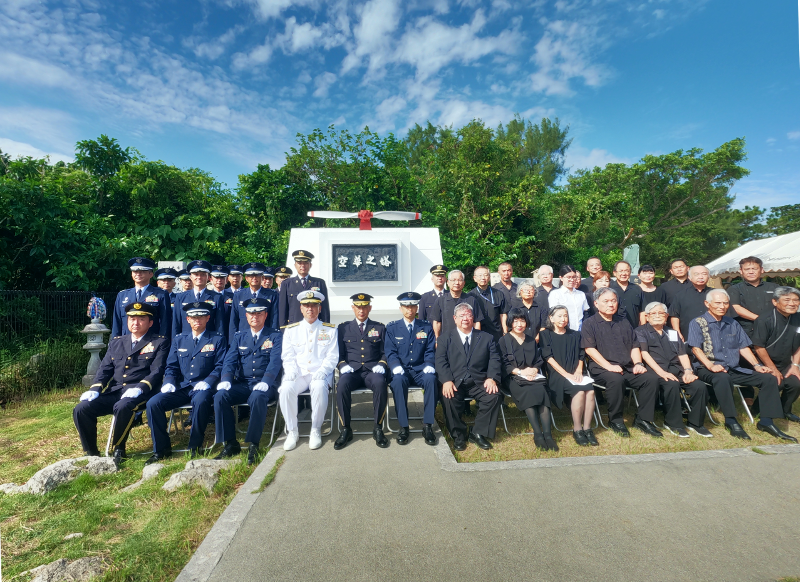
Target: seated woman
[(561, 349), (534, 313), (522, 363)]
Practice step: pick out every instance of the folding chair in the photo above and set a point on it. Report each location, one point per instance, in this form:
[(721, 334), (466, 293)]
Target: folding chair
[(111, 433), (188, 407), (388, 417), (744, 403), (328, 419), (364, 418), (555, 426)]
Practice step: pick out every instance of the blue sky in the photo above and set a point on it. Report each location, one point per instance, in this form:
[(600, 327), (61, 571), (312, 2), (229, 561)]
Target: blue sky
[(226, 84)]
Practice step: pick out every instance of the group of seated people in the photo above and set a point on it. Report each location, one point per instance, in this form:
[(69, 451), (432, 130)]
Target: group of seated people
[(543, 347)]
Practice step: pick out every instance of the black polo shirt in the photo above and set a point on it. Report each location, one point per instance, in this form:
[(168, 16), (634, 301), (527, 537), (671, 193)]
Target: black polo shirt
[(755, 299), (613, 339), (673, 288), (631, 299), (494, 305), (688, 305), (445, 306), (649, 297), (542, 294), (661, 347), (780, 335), (587, 284)]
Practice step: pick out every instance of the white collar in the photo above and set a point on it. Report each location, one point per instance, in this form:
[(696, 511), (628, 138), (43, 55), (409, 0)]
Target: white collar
[(135, 339), (360, 322), (305, 324), (407, 323), (463, 335), (197, 337), (135, 288)]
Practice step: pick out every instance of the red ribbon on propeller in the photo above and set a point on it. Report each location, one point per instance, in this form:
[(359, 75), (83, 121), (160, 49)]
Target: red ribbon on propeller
[(365, 216)]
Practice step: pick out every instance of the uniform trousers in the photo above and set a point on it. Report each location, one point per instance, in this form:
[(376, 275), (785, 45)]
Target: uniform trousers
[(241, 393), (86, 413), (159, 405), (696, 394), (318, 390), (360, 379), (722, 385), (646, 384), (488, 409), (790, 390), (400, 384)]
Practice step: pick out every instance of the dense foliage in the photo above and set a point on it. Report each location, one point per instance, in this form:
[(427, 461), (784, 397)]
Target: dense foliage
[(495, 194)]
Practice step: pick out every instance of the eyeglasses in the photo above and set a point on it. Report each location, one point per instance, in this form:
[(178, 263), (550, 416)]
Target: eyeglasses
[(664, 313)]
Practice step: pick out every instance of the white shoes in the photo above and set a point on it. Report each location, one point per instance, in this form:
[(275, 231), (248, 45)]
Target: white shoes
[(291, 440), (314, 439)]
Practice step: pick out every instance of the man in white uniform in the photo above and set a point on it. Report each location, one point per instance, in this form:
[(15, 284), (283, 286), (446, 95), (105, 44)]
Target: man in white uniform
[(310, 352)]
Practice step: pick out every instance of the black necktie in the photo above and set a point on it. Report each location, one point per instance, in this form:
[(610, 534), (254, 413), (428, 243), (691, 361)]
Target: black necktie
[(133, 343), (195, 341), (410, 329), (138, 296), (305, 282), (466, 345), (361, 328)]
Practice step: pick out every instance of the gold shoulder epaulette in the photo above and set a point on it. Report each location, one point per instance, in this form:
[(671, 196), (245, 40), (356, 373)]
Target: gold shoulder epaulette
[(117, 336), (328, 324), (290, 325)]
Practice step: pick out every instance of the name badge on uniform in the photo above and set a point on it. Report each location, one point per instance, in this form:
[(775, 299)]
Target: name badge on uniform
[(373, 333), (323, 336), (422, 335), (151, 299), (148, 349), (182, 350), (207, 348), (266, 345), (228, 300), (672, 335)]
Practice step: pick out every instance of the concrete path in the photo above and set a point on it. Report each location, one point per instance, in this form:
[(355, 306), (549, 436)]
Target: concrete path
[(370, 514)]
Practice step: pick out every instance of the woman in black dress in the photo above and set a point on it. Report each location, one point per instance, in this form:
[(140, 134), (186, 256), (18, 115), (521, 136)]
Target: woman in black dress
[(561, 349), (534, 313), (522, 363)]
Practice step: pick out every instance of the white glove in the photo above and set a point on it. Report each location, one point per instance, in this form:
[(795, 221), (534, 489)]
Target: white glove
[(291, 377), (428, 370), (168, 388), (224, 386), (200, 386), (346, 370), (261, 387), (321, 375), (378, 370), (398, 370), (90, 395), (132, 393)]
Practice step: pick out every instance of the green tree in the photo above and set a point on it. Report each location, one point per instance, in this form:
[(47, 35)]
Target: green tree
[(542, 147)]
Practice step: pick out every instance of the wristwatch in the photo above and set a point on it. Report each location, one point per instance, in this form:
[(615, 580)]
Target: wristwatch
[(688, 370)]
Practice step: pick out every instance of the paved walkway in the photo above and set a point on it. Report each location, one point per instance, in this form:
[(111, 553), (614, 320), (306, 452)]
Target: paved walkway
[(371, 514)]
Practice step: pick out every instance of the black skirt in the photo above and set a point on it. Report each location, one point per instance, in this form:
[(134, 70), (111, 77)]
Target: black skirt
[(526, 393), (560, 386)]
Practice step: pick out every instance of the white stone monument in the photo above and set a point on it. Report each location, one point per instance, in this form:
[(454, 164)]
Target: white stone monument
[(383, 262)]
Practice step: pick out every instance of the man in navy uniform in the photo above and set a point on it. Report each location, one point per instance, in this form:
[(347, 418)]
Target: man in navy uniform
[(219, 279), (166, 279), (128, 376), (254, 273), (292, 288), (250, 374), (142, 292), (268, 278), (235, 276), (199, 272), (411, 355), (361, 365), (281, 274), (186, 281), (193, 370), (428, 300)]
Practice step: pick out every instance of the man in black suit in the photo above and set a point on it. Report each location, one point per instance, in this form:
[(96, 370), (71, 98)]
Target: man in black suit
[(361, 365), (468, 365), (288, 306)]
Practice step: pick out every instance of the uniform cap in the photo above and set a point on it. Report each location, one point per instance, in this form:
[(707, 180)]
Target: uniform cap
[(254, 269), (183, 274), (140, 309), (269, 272), (141, 264), (166, 273), (283, 272), (409, 298), (310, 297), (219, 271), (300, 256), (198, 308), (256, 305), (439, 270), (361, 299), (199, 266), (235, 270)]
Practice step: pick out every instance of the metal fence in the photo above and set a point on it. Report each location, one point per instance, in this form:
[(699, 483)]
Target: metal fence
[(40, 340)]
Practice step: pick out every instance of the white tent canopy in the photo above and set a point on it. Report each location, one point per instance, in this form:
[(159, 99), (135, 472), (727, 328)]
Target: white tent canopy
[(780, 254)]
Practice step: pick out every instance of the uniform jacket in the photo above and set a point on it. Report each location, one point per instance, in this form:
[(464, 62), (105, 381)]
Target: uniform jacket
[(141, 367), (309, 348), (152, 295), (427, 302), (357, 350), (188, 364), (482, 362), (238, 320), (254, 362), (216, 323), (289, 307), (413, 351)]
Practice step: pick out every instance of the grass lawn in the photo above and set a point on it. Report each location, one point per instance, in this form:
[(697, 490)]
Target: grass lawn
[(147, 534), (514, 448)]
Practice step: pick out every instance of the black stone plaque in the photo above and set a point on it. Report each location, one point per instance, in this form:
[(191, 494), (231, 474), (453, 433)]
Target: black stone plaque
[(364, 262)]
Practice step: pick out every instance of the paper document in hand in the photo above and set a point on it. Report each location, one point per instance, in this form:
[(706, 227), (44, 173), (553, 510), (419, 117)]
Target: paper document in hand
[(586, 380)]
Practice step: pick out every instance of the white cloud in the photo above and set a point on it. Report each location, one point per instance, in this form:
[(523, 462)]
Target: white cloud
[(302, 37), (323, 82), (19, 149), (212, 49), (457, 112), (260, 55), (580, 158), (22, 69), (793, 135), (372, 35), (49, 127), (771, 140), (266, 9)]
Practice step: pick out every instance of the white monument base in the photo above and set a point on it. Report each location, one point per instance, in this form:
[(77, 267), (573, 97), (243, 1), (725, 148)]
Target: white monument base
[(417, 250)]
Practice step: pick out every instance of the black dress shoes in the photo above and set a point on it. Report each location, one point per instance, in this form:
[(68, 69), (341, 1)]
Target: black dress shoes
[(231, 449), (737, 431), (580, 438), (591, 438), (775, 431), (619, 428), (427, 433), (459, 443), (647, 427), (156, 457), (344, 437), (94, 453), (119, 455), (402, 436), (793, 417), (380, 438), (551, 444), (194, 453), (539, 442), (252, 454), (480, 440)]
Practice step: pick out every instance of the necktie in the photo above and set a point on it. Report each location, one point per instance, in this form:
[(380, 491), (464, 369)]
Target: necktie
[(305, 283), (133, 343), (410, 329), (138, 296), (197, 297), (466, 346), (361, 328), (255, 338), (195, 341)]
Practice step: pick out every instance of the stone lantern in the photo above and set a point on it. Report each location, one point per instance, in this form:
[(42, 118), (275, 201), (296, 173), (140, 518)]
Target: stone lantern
[(95, 342)]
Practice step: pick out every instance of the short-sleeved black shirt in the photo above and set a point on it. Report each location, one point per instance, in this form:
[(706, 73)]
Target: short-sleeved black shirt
[(649, 297), (509, 293), (755, 299), (687, 305), (780, 335), (444, 307), (662, 349), (613, 339), (673, 288), (542, 294), (494, 305), (631, 298)]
